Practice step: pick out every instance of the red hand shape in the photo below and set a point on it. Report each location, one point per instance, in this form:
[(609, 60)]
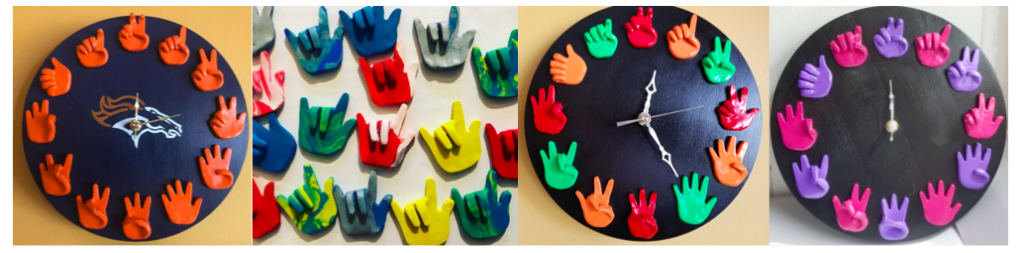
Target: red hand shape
[(733, 112), (269, 85), (56, 81), (504, 151), (380, 153), (216, 168), (932, 50), (41, 126), (639, 29), (173, 50), (265, 215), (92, 53), (207, 77), (224, 123), (55, 176), (180, 209), (133, 36), (387, 80), (547, 115), (641, 222), (93, 213), (848, 49), (136, 225)]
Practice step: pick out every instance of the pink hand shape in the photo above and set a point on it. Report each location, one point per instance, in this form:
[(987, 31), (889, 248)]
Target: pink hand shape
[(797, 132), (269, 85), (848, 49), (850, 213), (936, 209), (979, 123), (932, 50)]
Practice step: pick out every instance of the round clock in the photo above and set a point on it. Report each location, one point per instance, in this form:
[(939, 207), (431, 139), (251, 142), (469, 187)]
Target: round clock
[(633, 67), (892, 170), (82, 130)]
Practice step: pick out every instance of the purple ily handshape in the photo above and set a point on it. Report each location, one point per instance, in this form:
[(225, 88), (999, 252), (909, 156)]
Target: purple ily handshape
[(973, 169), (810, 179), (815, 82), (963, 75), (890, 41), (894, 226)]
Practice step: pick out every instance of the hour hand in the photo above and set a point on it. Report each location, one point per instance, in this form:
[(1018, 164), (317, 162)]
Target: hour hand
[(642, 118)]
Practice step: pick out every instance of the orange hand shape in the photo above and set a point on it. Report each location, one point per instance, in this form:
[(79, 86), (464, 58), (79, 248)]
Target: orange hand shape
[(568, 70), (681, 41), (596, 210), (728, 162), (91, 52), (179, 206), (224, 123), (41, 126), (173, 50), (207, 77), (133, 36), (215, 168), (136, 225), (55, 176), (93, 213), (56, 81)]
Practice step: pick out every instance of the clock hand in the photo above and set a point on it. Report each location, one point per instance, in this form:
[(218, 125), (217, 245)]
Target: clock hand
[(135, 130), (160, 119), (627, 122), (665, 156), (651, 89), (892, 125)]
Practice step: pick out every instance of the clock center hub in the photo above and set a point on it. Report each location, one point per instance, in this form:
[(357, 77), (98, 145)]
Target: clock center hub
[(644, 118), (135, 125)]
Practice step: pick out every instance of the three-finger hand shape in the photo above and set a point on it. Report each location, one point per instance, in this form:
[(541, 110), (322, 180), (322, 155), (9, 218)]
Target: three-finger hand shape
[(315, 48), (797, 132), (369, 32), (265, 214), (641, 221), (179, 206), (568, 70), (455, 147), (932, 50), (979, 122), (421, 221), (559, 173), (547, 114), (851, 214), (811, 180), (937, 209), (640, 30), (692, 203), (55, 176), (216, 169), (358, 213), (973, 169), (848, 49), (92, 53), (440, 44), (382, 143), (263, 34), (733, 113), (40, 124), (728, 162), (815, 82), (133, 36), (596, 209), (324, 130), (963, 75), (894, 226), (136, 224), (56, 81), (174, 51), (482, 214), (309, 207), (601, 42), (225, 124), (207, 77), (890, 41), (93, 213), (504, 151), (717, 66), (498, 70), (387, 80), (273, 149), (269, 86), (681, 40)]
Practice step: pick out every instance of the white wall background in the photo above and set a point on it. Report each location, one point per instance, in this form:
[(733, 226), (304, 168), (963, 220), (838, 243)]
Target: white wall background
[(430, 107), (987, 221)]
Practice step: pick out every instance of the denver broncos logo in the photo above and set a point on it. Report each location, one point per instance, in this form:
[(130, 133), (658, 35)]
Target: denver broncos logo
[(121, 111)]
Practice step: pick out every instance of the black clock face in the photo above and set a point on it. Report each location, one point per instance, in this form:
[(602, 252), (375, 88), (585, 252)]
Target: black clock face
[(91, 121), (613, 90), (851, 120)]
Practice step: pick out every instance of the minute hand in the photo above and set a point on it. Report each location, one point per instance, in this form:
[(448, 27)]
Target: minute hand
[(161, 119), (627, 122)]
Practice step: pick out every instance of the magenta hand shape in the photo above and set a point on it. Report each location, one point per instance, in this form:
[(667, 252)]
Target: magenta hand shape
[(797, 132), (932, 50), (979, 123), (973, 169), (848, 49), (850, 213), (936, 208), (963, 75), (815, 82), (890, 41)]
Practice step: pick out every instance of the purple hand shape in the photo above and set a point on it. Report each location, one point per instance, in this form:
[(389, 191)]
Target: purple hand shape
[(979, 123), (963, 75), (973, 170), (894, 226), (810, 179), (936, 209), (890, 41), (815, 82)]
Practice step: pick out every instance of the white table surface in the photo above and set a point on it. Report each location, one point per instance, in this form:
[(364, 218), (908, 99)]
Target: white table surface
[(430, 107)]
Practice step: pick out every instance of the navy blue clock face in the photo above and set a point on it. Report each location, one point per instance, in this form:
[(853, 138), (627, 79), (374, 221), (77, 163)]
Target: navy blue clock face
[(92, 124), (613, 90)]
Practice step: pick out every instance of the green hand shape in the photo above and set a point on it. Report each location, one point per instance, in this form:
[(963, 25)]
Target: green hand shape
[(717, 67), (481, 213), (558, 170), (310, 208), (692, 206), (600, 40), (321, 130), (498, 70)]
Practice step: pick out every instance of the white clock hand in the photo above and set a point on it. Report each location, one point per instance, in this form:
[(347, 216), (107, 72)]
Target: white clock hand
[(627, 122), (892, 125), (665, 156), (651, 89)]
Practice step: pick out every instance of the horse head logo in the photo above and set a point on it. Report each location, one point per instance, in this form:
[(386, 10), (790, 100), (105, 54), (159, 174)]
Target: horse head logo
[(121, 111)]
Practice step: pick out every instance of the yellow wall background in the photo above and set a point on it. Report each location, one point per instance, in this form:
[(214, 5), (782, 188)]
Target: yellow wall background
[(37, 30), (744, 222)]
